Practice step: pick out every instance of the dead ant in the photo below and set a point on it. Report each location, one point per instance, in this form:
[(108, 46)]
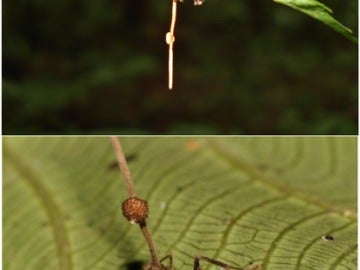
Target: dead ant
[(136, 210)]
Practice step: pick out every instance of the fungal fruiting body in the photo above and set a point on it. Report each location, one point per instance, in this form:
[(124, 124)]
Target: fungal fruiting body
[(135, 210), (170, 39)]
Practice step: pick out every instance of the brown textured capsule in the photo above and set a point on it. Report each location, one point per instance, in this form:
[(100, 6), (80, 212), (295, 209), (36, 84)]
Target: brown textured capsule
[(135, 210)]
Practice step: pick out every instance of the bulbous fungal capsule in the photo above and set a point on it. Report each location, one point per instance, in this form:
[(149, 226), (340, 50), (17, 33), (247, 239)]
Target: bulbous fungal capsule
[(135, 210), (169, 38)]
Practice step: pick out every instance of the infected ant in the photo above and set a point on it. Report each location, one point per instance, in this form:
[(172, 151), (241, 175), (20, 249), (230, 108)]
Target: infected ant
[(136, 210)]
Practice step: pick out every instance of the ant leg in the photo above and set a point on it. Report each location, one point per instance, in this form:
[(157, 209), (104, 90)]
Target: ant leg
[(149, 266), (170, 258), (213, 261)]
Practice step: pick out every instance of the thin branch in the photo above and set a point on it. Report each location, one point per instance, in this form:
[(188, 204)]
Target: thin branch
[(120, 157)]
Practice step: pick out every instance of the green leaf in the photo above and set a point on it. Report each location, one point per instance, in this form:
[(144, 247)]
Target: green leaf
[(319, 12), (275, 201)]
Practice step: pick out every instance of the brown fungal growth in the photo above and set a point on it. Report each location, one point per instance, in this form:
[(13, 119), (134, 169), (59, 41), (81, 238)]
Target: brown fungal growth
[(135, 210)]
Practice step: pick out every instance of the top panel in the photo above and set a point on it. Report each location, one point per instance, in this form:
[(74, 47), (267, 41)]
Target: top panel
[(239, 67)]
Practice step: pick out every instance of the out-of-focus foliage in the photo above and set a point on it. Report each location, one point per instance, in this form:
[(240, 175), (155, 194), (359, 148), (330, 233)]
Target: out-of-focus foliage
[(320, 12), (241, 67)]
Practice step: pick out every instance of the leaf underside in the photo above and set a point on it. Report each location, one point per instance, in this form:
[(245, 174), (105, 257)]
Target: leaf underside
[(319, 12), (283, 202)]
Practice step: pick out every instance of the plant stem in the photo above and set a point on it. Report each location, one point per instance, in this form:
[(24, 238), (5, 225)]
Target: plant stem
[(120, 157)]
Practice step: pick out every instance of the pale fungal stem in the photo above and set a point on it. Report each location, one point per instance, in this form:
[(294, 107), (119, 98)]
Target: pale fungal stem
[(120, 157), (135, 209), (171, 61), (170, 39), (154, 257)]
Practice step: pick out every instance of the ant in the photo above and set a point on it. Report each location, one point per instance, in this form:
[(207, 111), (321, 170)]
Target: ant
[(136, 210)]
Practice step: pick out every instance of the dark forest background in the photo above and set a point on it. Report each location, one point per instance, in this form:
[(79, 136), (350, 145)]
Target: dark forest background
[(241, 67)]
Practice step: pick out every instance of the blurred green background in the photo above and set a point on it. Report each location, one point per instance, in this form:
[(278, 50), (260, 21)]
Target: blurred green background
[(241, 67)]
